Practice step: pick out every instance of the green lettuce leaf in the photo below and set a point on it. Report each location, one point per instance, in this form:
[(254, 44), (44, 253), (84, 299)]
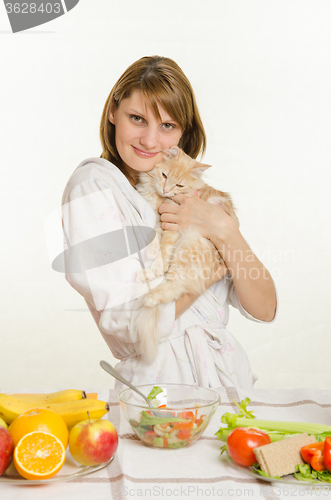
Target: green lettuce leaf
[(256, 468), (154, 392), (147, 419)]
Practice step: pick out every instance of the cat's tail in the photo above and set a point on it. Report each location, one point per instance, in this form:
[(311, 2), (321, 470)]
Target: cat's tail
[(145, 326)]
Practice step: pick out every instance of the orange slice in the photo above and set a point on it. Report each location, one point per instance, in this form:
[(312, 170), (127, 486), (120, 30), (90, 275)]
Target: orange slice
[(39, 455)]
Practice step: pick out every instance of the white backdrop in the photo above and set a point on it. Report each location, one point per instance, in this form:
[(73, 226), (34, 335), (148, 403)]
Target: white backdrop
[(261, 70)]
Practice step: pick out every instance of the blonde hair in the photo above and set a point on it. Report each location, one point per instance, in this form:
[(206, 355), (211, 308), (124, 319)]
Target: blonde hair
[(163, 82)]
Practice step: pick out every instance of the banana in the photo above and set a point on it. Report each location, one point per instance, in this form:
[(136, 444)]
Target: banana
[(52, 397), (71, 411), (11, 407), (75, 412), (3, 423)]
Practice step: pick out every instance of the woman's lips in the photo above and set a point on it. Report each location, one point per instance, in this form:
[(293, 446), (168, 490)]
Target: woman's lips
[(144, 154)]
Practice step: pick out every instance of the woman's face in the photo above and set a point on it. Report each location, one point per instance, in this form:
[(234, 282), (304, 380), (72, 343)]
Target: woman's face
[(139, 135)]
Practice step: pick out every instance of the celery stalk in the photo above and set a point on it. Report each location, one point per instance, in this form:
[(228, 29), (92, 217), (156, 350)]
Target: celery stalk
[(288, 427), (223, 434), (276, 429)]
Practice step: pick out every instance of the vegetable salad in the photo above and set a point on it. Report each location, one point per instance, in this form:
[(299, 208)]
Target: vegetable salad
[(168, 432)]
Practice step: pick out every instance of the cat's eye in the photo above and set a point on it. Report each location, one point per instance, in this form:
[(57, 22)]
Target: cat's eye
[(179, 186), (164, 175)]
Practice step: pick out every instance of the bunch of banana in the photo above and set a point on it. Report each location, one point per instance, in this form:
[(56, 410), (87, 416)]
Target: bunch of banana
[(52, 397), (71, 411)]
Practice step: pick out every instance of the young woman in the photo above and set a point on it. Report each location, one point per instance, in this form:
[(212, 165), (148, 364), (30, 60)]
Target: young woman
[(151, 108)]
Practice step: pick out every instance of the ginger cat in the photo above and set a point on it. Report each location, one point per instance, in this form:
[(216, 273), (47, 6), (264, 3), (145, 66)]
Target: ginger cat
[(186, 259)]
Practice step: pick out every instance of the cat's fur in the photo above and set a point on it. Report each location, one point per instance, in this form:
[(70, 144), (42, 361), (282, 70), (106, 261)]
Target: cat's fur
[(186, 259)]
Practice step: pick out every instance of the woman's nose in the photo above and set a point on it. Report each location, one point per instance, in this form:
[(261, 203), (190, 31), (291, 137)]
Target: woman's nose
[(149, 138)]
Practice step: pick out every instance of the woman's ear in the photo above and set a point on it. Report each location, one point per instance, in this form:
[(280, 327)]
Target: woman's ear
[(111, 114)]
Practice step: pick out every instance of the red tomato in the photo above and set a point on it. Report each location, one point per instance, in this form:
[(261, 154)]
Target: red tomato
[(327, 453), (241, 442), (187, 414), (314, 455), (183, 425), (184, 434)]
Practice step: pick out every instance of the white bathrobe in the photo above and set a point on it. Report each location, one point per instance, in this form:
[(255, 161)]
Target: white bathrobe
[(196, 348)]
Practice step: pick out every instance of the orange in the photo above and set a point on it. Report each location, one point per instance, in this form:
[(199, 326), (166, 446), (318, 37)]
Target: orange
[(39, 419), (39, 455)]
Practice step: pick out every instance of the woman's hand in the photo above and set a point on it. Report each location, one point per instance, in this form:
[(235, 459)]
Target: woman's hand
[(211, 221)]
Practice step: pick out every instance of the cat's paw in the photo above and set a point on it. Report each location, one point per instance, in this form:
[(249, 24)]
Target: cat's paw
[(153, 249), (157, 266), (158, 270), (162, 294), (145, 275), (152, 299)]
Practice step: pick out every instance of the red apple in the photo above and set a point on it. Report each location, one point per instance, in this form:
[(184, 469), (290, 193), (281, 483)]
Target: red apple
[(93, 442), (6, 449)]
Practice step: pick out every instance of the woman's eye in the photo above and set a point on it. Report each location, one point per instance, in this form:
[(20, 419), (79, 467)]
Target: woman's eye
[(168, 126), (179, 186), (164, 175), (136, 118)]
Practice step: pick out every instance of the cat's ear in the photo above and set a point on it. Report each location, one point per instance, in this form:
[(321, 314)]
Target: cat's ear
[(172, 153), (199, 169)]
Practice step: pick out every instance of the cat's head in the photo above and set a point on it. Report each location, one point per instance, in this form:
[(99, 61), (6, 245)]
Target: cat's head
[(177, 173)]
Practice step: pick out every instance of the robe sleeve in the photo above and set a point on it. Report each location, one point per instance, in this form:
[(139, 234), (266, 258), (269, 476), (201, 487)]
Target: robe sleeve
[(99, 264), (233, 300)]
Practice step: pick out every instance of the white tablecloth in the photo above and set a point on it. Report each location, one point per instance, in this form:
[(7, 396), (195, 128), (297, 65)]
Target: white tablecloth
[(196, 472)]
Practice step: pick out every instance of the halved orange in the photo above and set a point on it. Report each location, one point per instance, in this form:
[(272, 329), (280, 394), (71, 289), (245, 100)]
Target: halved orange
[(39, 419), (39, 455)]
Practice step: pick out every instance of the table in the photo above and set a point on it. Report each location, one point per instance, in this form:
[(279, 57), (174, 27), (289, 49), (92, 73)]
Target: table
[(196, 472)]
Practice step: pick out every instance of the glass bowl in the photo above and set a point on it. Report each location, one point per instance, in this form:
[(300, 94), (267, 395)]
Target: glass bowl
[(192, 408)]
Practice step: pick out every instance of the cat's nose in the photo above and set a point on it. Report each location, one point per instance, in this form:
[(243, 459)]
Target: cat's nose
[(164, 191)]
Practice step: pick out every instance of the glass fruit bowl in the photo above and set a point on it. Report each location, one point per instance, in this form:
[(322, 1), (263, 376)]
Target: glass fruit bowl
[(183, 412)]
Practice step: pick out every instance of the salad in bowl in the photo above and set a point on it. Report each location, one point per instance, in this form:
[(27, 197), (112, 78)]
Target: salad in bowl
[(182, 414)]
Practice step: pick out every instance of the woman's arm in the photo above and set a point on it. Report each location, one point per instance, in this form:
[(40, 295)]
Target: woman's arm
[(186, 300), (254, 285), (253, 282)]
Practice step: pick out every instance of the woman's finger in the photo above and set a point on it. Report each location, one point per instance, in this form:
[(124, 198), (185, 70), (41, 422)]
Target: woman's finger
[(179, 198), (168, 217), (168, 207), (168, 226)]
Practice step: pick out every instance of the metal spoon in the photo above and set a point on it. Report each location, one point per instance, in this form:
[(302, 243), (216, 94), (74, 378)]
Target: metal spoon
[(108, 368)]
